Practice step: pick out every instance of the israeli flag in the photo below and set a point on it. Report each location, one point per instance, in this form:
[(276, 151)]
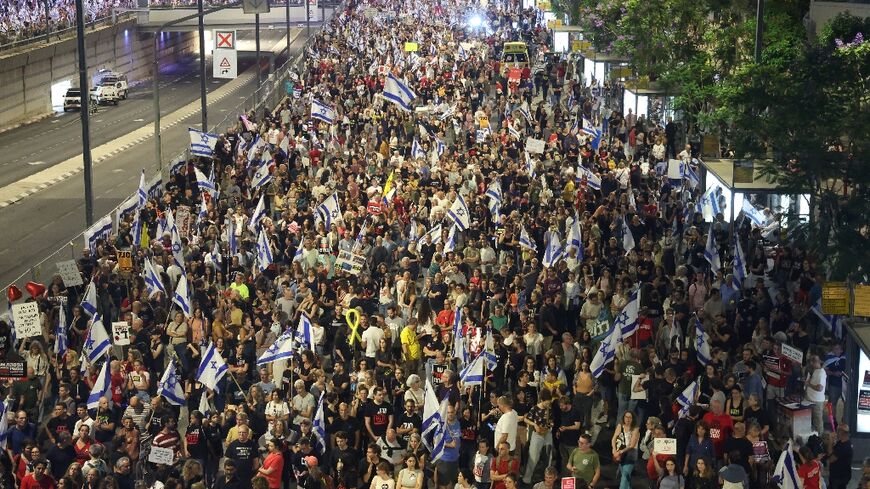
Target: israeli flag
[(785, 474), (447, 114), (318, 424), (461, 53), (526, 241), (514, 132), (202, 143), (711, 252), (440, 147), (606, 351), (170, 386), (155, 187), (177, 252), (205, 184), (627, 238), (458, 212), (259, 213), (329, 212), (176, 166), (212, 368), (417, 150), (593, 180), (182, 296), (834, 323), (702, 344), (524, 111), (89, 301), (264, 251), (153, 282), (472, 374), (128, 207), (459, 349), (282, 349), (60, 336), (626, 321), (430, 411), (305, 333), (97, 342), (739, 264), (262, 176), (687, 398), (710, 203), (488, 353), (100, 230), (482, 134), (575, 237), (398, 93), (450, 245), (434, 234), (102, 387), (494, 194), (322, 112), (232, 239), (4, 424), (530, 165), (689, 174), (753, 214), (588, 129), (553, 252), (440, 433)]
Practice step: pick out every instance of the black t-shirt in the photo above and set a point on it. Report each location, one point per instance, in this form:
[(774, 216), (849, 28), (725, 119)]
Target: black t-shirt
[(412, 420), (568, 437), (742, 445), (349, 426), (196, 440), (441, 294), (842, 467), (380, 417), (108, 416), (760, 416), (56, 426), (244, 453)]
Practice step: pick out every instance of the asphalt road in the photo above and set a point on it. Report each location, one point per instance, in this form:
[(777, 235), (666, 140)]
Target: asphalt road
[(39, 225)]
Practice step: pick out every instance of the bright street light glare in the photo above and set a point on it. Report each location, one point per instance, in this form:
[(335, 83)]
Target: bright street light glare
[(475, 21)]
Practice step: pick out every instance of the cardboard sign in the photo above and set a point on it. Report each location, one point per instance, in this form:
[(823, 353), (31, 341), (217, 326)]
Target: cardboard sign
[(350, 262), (411, 47), (835, 298), (69, 273), (568, 483), (792, 353), (760, 451), (121, 333), (26, 320), (665, 446), (861, 296), (183, 220), (125, 261), (158, 455), (13, 370), (374, 208), (438, 373), (535, 145)]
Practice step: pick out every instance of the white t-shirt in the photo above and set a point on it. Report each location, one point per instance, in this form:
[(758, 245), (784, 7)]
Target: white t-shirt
[(817, 377), (507, 423), (372, 338)]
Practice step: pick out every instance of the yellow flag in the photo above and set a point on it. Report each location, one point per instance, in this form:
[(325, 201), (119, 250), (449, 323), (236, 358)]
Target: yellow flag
[(389, 185)]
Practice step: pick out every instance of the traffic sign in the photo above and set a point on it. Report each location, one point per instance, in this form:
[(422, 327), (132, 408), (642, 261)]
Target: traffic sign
[(225, 63), (224, 39), (255, 6)]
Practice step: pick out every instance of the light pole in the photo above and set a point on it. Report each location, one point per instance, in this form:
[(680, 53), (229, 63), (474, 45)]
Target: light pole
[(257, 68), (85, 112), (287, 17), (759, 29), (202, 92)]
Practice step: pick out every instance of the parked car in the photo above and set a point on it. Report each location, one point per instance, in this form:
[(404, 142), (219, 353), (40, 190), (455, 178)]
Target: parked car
[(105, 94), (72, 100)]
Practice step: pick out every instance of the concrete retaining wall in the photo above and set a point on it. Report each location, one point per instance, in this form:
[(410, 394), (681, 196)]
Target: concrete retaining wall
[(26, 77)]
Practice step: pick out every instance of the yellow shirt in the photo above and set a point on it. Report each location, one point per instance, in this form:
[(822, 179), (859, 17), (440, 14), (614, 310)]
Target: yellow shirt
[(236, 317), (242, 289), (408, 337)]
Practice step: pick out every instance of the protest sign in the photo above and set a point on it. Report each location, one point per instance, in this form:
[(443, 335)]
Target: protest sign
[(69, 273), (535, 145), (665, 446), (26, 320)]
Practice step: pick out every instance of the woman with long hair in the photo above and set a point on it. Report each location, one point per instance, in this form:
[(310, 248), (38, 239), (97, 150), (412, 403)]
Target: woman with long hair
[(672, 478), (624, 448), (410, 477), (704, 475), (700, 446)]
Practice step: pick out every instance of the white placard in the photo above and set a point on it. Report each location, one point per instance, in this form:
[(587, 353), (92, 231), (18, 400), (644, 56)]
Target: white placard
[(159, 455), (664, 446), (121, 333), (641, 394), (792, 353), (26, 320), (535, 145), (69, 273), (349, 262), (674, 169), (225, 63)]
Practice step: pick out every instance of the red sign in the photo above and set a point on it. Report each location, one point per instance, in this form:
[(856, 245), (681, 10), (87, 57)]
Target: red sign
[(374, 208), (514, 76), (567, 483), (226, 40)]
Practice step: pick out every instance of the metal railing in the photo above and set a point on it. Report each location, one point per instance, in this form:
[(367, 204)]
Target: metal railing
[(59, 35), (270, 94)]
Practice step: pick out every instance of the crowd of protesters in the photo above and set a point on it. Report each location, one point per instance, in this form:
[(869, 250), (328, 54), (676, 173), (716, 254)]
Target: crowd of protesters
[(541, 413), (28, 19)]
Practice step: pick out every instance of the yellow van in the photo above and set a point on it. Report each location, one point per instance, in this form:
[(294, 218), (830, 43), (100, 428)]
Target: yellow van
[(514, 55)]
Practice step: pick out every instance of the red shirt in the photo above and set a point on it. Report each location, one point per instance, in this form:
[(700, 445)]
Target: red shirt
[(721, 427), (502, 467), (810, 472), (274, 461), (30, 482)]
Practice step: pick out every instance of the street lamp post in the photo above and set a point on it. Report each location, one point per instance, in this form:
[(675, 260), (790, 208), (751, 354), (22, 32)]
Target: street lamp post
[(759, 29), (85, 112), (202, 92)]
